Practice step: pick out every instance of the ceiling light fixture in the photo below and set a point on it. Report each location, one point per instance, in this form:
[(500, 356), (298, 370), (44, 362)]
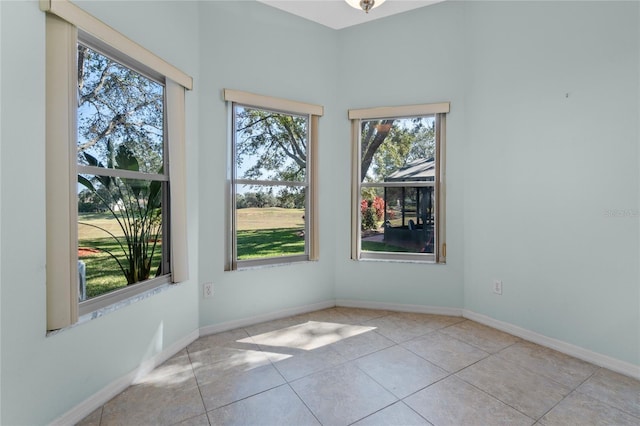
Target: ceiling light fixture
[(365, 5)]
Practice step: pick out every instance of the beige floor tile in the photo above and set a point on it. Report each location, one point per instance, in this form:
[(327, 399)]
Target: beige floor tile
[(201, 420), (167, 395), (400, 371), (173, 372), (456, 403), (234, 386), (562, 368), (434, 321), (210, 363), (614, 389), (309, 335), (397, 414), (359, 315), (92, 419), (361, 345), (327, 315), (580, 409), (154, 404), (278, 324), (296, 363), (342, 366), (217, 339), (445, 351), (278, 406), (486, 338), (522, 389), (400, 329), (342, 395)]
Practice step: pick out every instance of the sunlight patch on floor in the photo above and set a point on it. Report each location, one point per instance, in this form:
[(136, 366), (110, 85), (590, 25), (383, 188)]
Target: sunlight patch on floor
[(308, 336)]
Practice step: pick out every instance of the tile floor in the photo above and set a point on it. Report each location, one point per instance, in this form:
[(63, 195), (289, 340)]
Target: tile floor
[(345, 366)]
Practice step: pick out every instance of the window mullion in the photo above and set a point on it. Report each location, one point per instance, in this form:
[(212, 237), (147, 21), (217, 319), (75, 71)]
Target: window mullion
[(269, 182), (121, 173)]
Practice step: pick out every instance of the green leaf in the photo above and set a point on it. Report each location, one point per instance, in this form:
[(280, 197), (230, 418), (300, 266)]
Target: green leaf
[(106, 181), (155, 198), (86, 182), (91, 160), (126, 160)]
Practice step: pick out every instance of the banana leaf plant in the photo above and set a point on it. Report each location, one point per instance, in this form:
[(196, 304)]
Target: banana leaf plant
[(136, 206)]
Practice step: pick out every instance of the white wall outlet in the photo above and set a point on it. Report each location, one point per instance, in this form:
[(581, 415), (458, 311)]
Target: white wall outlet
[(208, 290), (497, 287)]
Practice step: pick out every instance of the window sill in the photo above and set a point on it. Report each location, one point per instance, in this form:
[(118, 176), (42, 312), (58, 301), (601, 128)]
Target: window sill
[(271, 263), (113, 307), (428, 260)]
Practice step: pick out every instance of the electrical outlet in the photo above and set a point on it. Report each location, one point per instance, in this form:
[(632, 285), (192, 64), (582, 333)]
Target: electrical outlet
[(208, 290), (497, 287)]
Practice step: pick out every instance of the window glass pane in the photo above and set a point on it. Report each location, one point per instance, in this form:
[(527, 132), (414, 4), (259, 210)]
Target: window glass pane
[(270, 221), (397, 149), (120, 115), (397, 219), (120, 234), (270, 145)]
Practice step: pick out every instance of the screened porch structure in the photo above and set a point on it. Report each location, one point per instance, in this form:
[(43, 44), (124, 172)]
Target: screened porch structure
[(409, 212)]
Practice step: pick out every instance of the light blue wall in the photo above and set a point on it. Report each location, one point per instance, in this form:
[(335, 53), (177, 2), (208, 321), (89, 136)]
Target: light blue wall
[(43, 377), (531, 173), (552, 108), (251, 47), (417, 57), (542, 142)]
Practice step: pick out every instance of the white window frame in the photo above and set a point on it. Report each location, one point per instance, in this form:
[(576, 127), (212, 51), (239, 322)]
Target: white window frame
[(439, 111), (66, 24), (313, 113)]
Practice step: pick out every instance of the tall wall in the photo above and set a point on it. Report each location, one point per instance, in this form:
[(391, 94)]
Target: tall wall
[(413, 58), (542, 175), (43, 377), (251, 47), (552, 170), (542, 162)]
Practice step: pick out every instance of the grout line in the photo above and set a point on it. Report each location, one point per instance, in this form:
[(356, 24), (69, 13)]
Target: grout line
[(353, 361), (555, 405), (577, 390), (304, 403), (193, 371), (493, 396), (101, 412), (377, 411)]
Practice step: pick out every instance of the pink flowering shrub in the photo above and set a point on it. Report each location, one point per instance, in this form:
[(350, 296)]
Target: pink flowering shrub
[(372, 211), (378, 205)]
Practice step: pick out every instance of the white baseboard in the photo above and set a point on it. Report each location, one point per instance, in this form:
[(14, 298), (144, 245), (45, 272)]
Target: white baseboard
[(101, 397), (613, 364), (587, 355), (398, 307), (104, 395), (244, 322)]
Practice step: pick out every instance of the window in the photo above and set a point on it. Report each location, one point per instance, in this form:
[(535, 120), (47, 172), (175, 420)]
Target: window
[(272, 217), (398, 180), (115, 203), (122, 175)]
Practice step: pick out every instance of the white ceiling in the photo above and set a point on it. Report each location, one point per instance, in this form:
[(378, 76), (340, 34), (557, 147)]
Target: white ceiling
[(338, 14)]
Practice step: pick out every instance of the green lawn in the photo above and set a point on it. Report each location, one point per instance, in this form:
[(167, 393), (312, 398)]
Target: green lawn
[(269, 232), (102, 271), (262, 232), (253, 244), (375, 246), (269, 218)]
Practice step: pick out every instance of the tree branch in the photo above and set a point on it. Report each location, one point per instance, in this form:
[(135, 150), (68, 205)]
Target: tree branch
[(370, 149)]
